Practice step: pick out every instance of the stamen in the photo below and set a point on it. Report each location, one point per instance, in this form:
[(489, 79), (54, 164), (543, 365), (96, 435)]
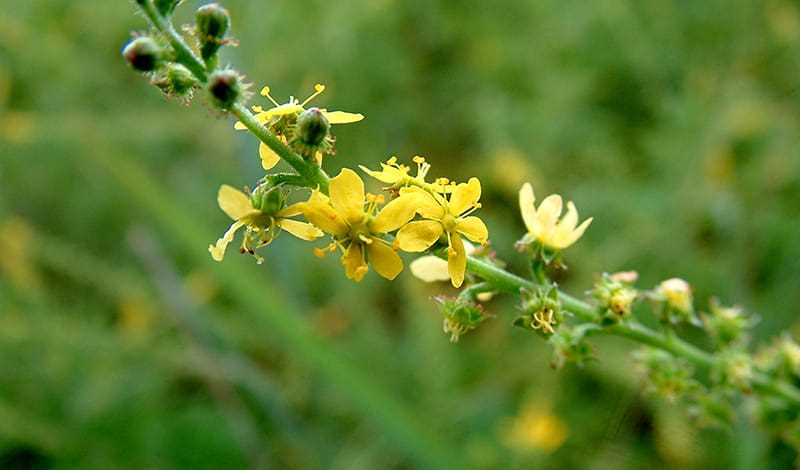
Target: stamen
[(318, 89), (265, 92)]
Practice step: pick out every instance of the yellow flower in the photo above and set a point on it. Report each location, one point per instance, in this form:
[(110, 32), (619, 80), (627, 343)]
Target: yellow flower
[(353, 219), (396, 175), (273, 118), (543, 224), (239, 207), (536, 429), (445, 217)]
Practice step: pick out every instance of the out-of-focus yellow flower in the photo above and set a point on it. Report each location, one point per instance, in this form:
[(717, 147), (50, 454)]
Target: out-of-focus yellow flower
[(448, 217), (352, 218), (281, 119), (239, 207), (545, 224), (534, 429), (677, 293), (16, 245)]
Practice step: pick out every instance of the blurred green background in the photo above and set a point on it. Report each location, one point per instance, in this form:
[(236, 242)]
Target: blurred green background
[(123, 345)]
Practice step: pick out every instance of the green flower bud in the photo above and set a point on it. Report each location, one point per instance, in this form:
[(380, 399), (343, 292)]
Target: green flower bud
[(668, 376), (166, 7), (727, 325), (312, 127), (213, 22), (615, 296), (225, 88), (143, 54), (179, 79), (268, 199)]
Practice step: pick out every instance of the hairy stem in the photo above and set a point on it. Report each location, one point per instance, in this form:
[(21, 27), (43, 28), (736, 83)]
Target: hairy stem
[(313, 174), (507, 282)]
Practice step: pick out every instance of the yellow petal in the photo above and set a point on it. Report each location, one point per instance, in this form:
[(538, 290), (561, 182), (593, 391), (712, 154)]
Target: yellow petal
[(465, 196), (347, 195), (395, 214), (528, 210), (301, 230), (456, 260), (239, 126), (319, 212), (430, 269), (218, 250), (234, 202), (353, 260), (419, 236), (473, 228), (384, 259), (549, 211), (291, 211), (268, 157), (570, 219), (573, 236), (341, 117), (388, 174), (428, 206)]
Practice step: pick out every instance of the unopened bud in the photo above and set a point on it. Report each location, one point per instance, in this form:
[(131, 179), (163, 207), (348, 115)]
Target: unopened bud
[(213, 22), (225, 88), (678, 305), (268, 199), (143, 54), (727, 325), (179, 79), (312, 127)]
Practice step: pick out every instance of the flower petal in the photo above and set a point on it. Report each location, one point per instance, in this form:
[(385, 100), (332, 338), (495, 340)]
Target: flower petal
[(319, 212), (549, 211), (355, 267), (384, 259), (301, 230), (456, 260), (388, 174), (465, 196), (528, 209), (428, 206), (347, 195), (282, 110), (218, 250), (268, 157), (419, 236), (341, 117), (473, 228), (573, 236), (430, 269), (234, 202), (394, 215), (291, 211), (570, 219)]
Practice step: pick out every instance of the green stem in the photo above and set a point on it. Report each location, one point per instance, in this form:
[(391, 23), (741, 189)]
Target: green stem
[(507, 282), (313, 175), (184, 53)]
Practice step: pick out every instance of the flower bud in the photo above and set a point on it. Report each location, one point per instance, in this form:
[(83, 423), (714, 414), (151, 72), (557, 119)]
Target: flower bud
[(678, 303), (225, 88), (312, 127), (615, 296), (268, 199), (727, 325), (143, 54), (213, 22), (179, 80)]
